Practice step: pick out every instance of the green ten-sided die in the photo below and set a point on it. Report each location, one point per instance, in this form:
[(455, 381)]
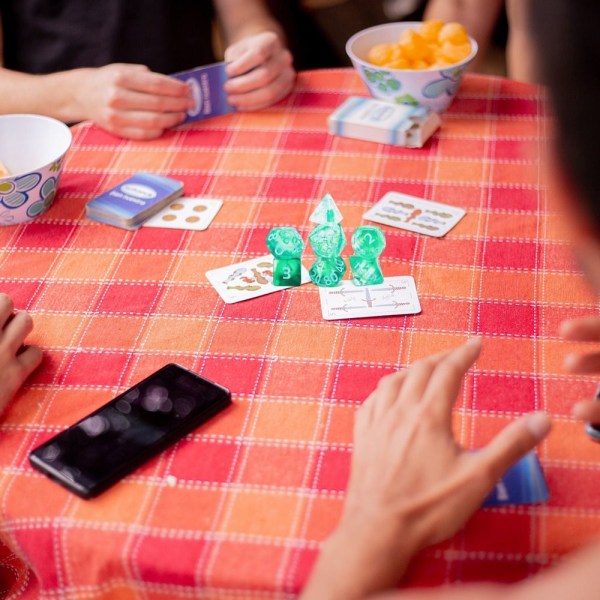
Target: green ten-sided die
[(368, 243)]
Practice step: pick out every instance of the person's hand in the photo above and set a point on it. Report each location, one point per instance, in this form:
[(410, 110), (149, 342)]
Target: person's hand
[(411, 484), (17, 361), (260, 70), (131, 101), (585, 329)]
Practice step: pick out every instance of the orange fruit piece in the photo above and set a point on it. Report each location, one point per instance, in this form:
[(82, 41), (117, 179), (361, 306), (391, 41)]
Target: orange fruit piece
[(430, 30), (454, 33), (380, 54), (414, 47)]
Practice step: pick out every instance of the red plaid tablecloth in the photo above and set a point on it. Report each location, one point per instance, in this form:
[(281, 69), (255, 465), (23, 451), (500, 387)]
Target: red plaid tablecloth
[(238, 509)]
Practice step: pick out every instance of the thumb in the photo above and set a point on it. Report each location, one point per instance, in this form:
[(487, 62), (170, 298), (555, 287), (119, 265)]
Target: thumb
[(513, 442)]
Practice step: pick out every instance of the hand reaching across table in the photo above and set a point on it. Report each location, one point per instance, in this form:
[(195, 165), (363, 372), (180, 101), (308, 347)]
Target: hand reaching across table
[(17, 361), (411, 484)]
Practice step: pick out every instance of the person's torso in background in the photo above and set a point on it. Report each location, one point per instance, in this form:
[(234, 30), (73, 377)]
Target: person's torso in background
[(44, 36)]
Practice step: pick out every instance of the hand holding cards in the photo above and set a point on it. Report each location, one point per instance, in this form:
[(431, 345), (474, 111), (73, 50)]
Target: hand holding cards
[(207, 91)]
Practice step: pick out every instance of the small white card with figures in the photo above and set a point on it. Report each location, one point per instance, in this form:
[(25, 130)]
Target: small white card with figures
[(415, 214), (395, 296), (248, 279), (186, 213)]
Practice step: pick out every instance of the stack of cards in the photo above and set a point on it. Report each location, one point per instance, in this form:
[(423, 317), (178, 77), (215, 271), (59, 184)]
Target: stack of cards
[(130, 203), (383, 122)]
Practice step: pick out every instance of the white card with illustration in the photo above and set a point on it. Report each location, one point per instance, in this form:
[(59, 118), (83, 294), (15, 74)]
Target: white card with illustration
[(395, 296), (248, 279), (186, 212), (415, 214)]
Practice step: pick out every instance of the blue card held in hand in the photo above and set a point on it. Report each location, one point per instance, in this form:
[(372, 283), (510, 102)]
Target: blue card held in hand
[(523, 483), (207, 89)]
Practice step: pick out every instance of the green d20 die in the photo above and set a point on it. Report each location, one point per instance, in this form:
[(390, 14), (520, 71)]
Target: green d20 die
[(285, 242)]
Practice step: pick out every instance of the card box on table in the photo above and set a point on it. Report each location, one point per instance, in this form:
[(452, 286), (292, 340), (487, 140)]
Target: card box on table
[(136, 199), (383, 122)]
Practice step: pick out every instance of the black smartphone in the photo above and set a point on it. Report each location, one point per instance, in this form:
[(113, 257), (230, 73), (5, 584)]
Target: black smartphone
[(114, 440), (593, 429)]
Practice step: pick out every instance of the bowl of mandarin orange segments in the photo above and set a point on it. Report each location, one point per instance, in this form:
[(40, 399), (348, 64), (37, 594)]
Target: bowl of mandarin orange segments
[(413, 63)]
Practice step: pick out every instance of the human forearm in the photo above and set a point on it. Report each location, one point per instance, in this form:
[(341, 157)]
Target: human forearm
[(54, 95), (354, 562), (243, 18)]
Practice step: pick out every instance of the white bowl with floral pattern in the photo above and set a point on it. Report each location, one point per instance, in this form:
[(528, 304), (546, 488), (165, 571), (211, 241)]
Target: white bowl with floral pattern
[(433, 88), (32, 148)]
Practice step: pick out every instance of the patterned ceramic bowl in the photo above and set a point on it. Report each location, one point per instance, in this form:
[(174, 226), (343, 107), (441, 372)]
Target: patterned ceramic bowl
[(433, 88), (32, 148)]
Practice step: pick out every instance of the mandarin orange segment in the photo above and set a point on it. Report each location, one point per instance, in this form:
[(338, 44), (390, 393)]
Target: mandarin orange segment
[(430, 30), (454, 33), (435, 45), (380, 54)]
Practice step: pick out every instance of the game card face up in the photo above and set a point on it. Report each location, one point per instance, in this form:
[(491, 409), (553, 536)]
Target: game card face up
[(415, 214), (395, 296), (186, 213), (247, 280), (207, 90)]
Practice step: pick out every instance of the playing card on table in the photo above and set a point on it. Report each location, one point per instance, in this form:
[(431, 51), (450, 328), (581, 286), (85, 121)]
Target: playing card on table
[(415, 214), (207, 90), (395, 296), (186, 213), (248, 279), (523, 483)]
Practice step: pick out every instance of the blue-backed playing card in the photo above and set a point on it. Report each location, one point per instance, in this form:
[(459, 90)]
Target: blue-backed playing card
[(523, 483), (136, 199), (207, 89)]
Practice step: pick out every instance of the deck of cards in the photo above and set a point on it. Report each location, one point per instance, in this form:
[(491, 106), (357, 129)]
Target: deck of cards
[(133, 201)]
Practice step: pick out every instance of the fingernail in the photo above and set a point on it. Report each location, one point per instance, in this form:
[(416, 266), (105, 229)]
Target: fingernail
[(578, 408), (569, 361), (539, 424)]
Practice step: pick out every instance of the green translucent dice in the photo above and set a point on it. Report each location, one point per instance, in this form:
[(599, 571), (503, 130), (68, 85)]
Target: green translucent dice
[(286, 246), (368, 242), (327, 240)]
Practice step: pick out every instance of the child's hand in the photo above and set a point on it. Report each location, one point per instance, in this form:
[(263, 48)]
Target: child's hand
[(261, 71), (17, 361)]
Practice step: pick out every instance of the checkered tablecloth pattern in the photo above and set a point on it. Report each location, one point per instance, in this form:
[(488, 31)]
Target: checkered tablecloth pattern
[(237, 510)]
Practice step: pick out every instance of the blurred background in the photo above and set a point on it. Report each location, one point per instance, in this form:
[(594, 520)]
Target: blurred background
[(317, 30)]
